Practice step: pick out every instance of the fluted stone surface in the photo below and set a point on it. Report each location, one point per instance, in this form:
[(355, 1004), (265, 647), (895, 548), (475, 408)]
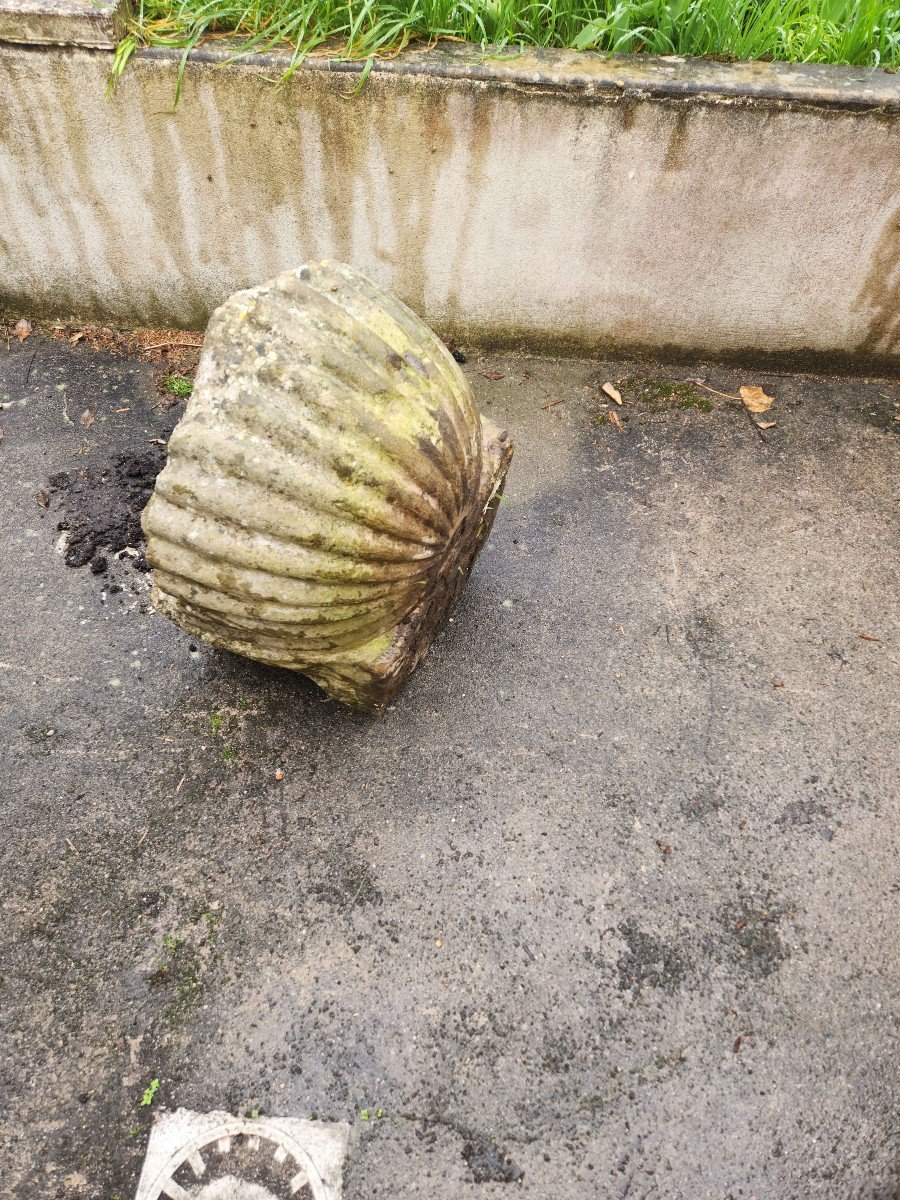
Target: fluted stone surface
[(328, 487)]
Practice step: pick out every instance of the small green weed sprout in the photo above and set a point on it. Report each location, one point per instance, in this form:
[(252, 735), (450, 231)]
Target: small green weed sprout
[(178, 385)]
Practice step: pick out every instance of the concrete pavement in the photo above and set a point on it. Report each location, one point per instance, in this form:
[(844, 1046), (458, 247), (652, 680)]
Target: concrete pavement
[(605, 906)]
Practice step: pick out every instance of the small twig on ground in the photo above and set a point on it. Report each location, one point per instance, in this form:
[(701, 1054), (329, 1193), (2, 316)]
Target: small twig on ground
[(728, 396), (30, 365), (162, 345), (73, 847), (142, 838), (724, 395), (553, 403)]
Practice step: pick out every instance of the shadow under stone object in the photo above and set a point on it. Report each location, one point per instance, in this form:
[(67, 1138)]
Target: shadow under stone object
[(328, 488)]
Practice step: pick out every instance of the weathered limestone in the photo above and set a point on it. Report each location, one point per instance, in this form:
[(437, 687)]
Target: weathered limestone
[(328, 487)]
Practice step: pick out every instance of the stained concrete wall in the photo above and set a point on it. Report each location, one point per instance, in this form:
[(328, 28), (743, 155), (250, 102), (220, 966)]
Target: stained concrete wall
[(62, 22), (553, 198)]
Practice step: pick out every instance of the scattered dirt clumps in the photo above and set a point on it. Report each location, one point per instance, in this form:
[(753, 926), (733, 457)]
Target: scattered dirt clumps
[(489, 1163), (649, 961), (347, 884), (102, 508), (752, 929)]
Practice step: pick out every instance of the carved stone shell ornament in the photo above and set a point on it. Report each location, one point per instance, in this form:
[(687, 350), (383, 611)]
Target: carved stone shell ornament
[(328, 487)]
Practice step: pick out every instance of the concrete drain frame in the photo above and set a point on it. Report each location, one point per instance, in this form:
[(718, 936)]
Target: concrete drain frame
[(217, 1156)]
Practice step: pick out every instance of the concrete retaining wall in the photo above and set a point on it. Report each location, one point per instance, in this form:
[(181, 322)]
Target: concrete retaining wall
[(554, 198)]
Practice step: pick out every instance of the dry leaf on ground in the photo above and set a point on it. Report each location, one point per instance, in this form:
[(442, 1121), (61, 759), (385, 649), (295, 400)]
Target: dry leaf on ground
[(612, 392), (87, 418), (22, 330), (43, 499), (766, 424), (615, 419), (755, 399), (492, 374)]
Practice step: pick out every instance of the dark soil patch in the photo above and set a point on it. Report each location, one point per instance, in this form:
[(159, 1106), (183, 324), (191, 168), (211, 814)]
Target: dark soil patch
[(704, 801), (102, 509), (490, 1163), (560, 1051), (751, 927), (347, 884), (701, 633), (803, 812), (649, 962)]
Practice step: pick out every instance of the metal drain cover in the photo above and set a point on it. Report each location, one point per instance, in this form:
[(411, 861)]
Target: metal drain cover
[(214, 1156)]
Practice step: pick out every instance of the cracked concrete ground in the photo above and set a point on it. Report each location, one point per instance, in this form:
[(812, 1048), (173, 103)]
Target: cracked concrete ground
[(605, 906)]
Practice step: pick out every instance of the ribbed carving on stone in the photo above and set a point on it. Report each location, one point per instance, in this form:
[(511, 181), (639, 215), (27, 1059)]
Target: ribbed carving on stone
[(329, 476)]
